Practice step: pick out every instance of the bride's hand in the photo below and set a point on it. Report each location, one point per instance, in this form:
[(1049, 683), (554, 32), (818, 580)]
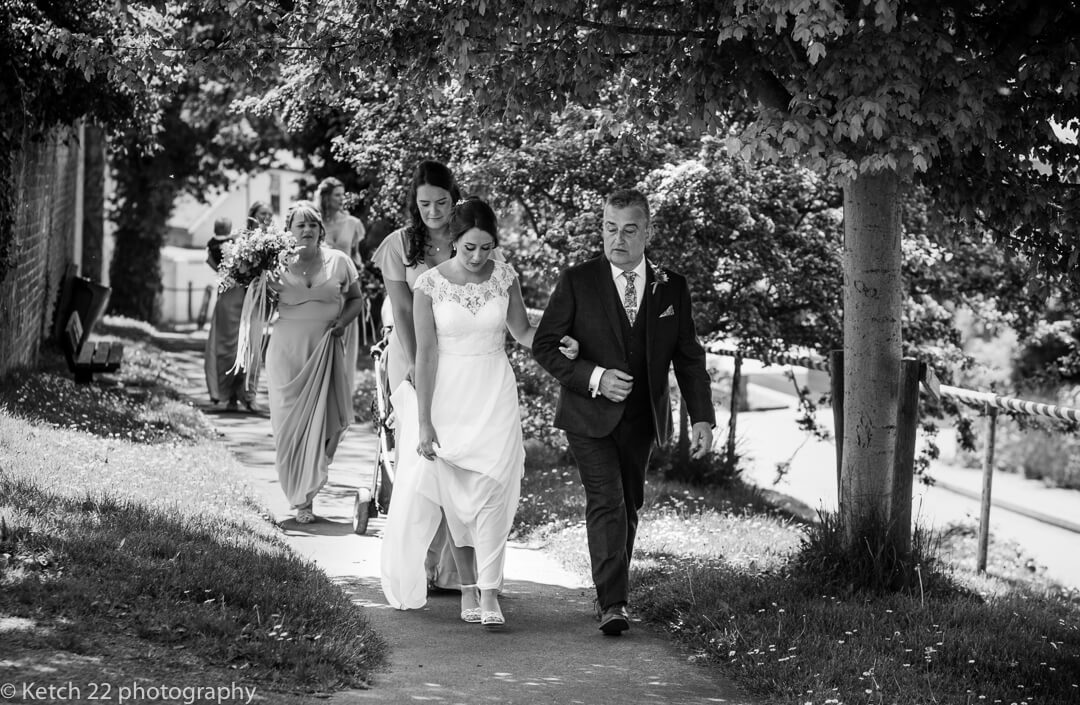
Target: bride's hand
[(428, 441), (569, 347)]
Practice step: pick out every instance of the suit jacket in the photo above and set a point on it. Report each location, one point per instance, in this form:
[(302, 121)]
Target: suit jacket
[(585, 305)]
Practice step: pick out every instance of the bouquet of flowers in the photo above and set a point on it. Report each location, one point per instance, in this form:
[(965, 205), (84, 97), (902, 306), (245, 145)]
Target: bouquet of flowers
[(250, 259), (252, 253)]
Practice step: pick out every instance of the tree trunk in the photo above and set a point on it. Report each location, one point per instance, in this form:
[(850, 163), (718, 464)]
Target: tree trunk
[(872, 336)]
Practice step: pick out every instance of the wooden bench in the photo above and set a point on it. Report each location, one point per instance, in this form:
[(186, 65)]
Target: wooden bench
[(84, 358)]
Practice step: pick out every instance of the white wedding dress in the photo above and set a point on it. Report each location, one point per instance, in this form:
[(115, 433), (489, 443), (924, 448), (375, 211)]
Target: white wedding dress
[(476, 477)]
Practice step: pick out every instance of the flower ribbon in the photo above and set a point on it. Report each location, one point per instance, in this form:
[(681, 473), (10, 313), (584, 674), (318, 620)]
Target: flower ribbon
[(253, 319)]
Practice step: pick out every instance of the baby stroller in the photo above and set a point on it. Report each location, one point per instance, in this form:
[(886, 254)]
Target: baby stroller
[(374, 500)]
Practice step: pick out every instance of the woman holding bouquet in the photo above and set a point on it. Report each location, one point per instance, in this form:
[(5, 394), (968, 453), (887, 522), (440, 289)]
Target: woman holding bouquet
[(222, 381), (309, 368), (239, 386)]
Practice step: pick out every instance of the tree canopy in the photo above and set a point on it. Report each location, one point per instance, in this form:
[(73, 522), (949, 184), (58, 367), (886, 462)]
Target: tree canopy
[(967, 98), (961, 98), (65, 61)]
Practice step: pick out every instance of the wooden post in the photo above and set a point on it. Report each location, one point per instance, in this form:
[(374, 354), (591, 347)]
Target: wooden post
[(907, 422), (836, 389), (190, 301), (204, 307), (988, 481), (736, 383)]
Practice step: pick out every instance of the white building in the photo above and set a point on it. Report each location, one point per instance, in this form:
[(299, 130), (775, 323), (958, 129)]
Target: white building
[(189, 283), (192, 223)]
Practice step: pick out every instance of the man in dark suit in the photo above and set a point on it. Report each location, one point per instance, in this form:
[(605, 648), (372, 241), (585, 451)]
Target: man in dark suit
[(632, 322)]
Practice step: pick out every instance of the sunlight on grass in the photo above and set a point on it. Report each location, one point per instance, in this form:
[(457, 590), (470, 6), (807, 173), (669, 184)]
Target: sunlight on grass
[(125, 524), (716, 568)]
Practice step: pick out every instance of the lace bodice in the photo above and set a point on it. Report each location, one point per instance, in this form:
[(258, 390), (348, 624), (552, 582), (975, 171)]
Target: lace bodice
[(470, 319)]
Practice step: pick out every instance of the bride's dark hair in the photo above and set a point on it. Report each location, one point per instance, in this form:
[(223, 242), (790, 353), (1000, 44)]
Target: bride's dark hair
[(473, 213), (431, 173)]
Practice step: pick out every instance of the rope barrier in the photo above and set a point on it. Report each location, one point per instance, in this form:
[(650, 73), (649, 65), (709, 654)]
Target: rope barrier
[(1020, 406), (980, 400), (987, 402), (781, 359)]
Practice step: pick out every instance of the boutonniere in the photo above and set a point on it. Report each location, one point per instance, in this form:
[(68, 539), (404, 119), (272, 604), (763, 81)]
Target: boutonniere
[(659, 276)]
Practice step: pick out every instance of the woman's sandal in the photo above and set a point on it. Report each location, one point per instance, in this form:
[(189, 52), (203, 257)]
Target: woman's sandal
[(470, 614), (493, 621), (304, 515)]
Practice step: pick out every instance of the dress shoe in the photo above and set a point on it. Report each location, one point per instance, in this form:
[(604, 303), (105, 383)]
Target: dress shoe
[(615, 620)]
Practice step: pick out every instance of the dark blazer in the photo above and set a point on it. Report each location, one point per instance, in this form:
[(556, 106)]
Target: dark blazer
[(585, 305)]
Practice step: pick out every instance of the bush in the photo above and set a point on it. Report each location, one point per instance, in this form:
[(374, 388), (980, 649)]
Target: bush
[(1039, 452), (872, 564), (364, 405), (1037, 447), (537, 393), (715, 469)]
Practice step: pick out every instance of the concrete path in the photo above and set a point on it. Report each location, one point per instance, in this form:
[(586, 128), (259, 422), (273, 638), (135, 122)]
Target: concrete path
[(551, 650), (1044, 520)]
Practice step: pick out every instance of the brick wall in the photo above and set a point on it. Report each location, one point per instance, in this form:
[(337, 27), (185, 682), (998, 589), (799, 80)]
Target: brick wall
[(93, 203), (45, 179)]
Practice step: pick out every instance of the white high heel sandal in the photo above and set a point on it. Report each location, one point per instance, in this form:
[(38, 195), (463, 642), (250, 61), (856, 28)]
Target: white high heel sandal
[(471, 614)]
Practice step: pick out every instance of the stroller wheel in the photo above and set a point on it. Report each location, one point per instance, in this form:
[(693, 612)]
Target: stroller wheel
[(361, 510)]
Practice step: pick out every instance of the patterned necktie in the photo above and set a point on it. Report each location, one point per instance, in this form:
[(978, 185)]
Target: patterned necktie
[(629, 299)]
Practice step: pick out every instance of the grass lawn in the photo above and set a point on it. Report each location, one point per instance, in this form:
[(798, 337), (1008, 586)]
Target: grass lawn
[(742, 588), (131, 550)]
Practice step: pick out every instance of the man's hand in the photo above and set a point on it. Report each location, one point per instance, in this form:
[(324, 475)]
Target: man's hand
[(569, 347), (700, 439), (616, 384)]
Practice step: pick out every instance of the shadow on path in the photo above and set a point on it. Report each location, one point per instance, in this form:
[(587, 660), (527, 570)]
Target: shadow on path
[(550, 651)]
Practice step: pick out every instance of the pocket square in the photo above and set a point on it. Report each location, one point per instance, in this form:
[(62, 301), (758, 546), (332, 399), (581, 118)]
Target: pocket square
[(669, 311)]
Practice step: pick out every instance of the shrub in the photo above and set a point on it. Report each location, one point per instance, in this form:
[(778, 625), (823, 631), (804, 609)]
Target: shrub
[(871, 564), (537, 394), (715, 469)]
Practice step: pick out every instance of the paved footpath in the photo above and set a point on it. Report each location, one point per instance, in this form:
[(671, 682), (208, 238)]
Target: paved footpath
[(1044, 520), (551, 650)]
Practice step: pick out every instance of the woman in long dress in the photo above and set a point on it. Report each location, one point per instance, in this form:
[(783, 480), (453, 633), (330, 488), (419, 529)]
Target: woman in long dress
[(237, 387), (466, 392), (308, 366), (344, 233), (402, 257)]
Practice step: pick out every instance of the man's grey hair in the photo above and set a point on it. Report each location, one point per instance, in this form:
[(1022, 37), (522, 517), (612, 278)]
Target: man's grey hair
[(626, 197)]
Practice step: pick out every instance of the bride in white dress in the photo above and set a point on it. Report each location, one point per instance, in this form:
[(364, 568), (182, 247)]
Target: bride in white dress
[(463, 422)]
